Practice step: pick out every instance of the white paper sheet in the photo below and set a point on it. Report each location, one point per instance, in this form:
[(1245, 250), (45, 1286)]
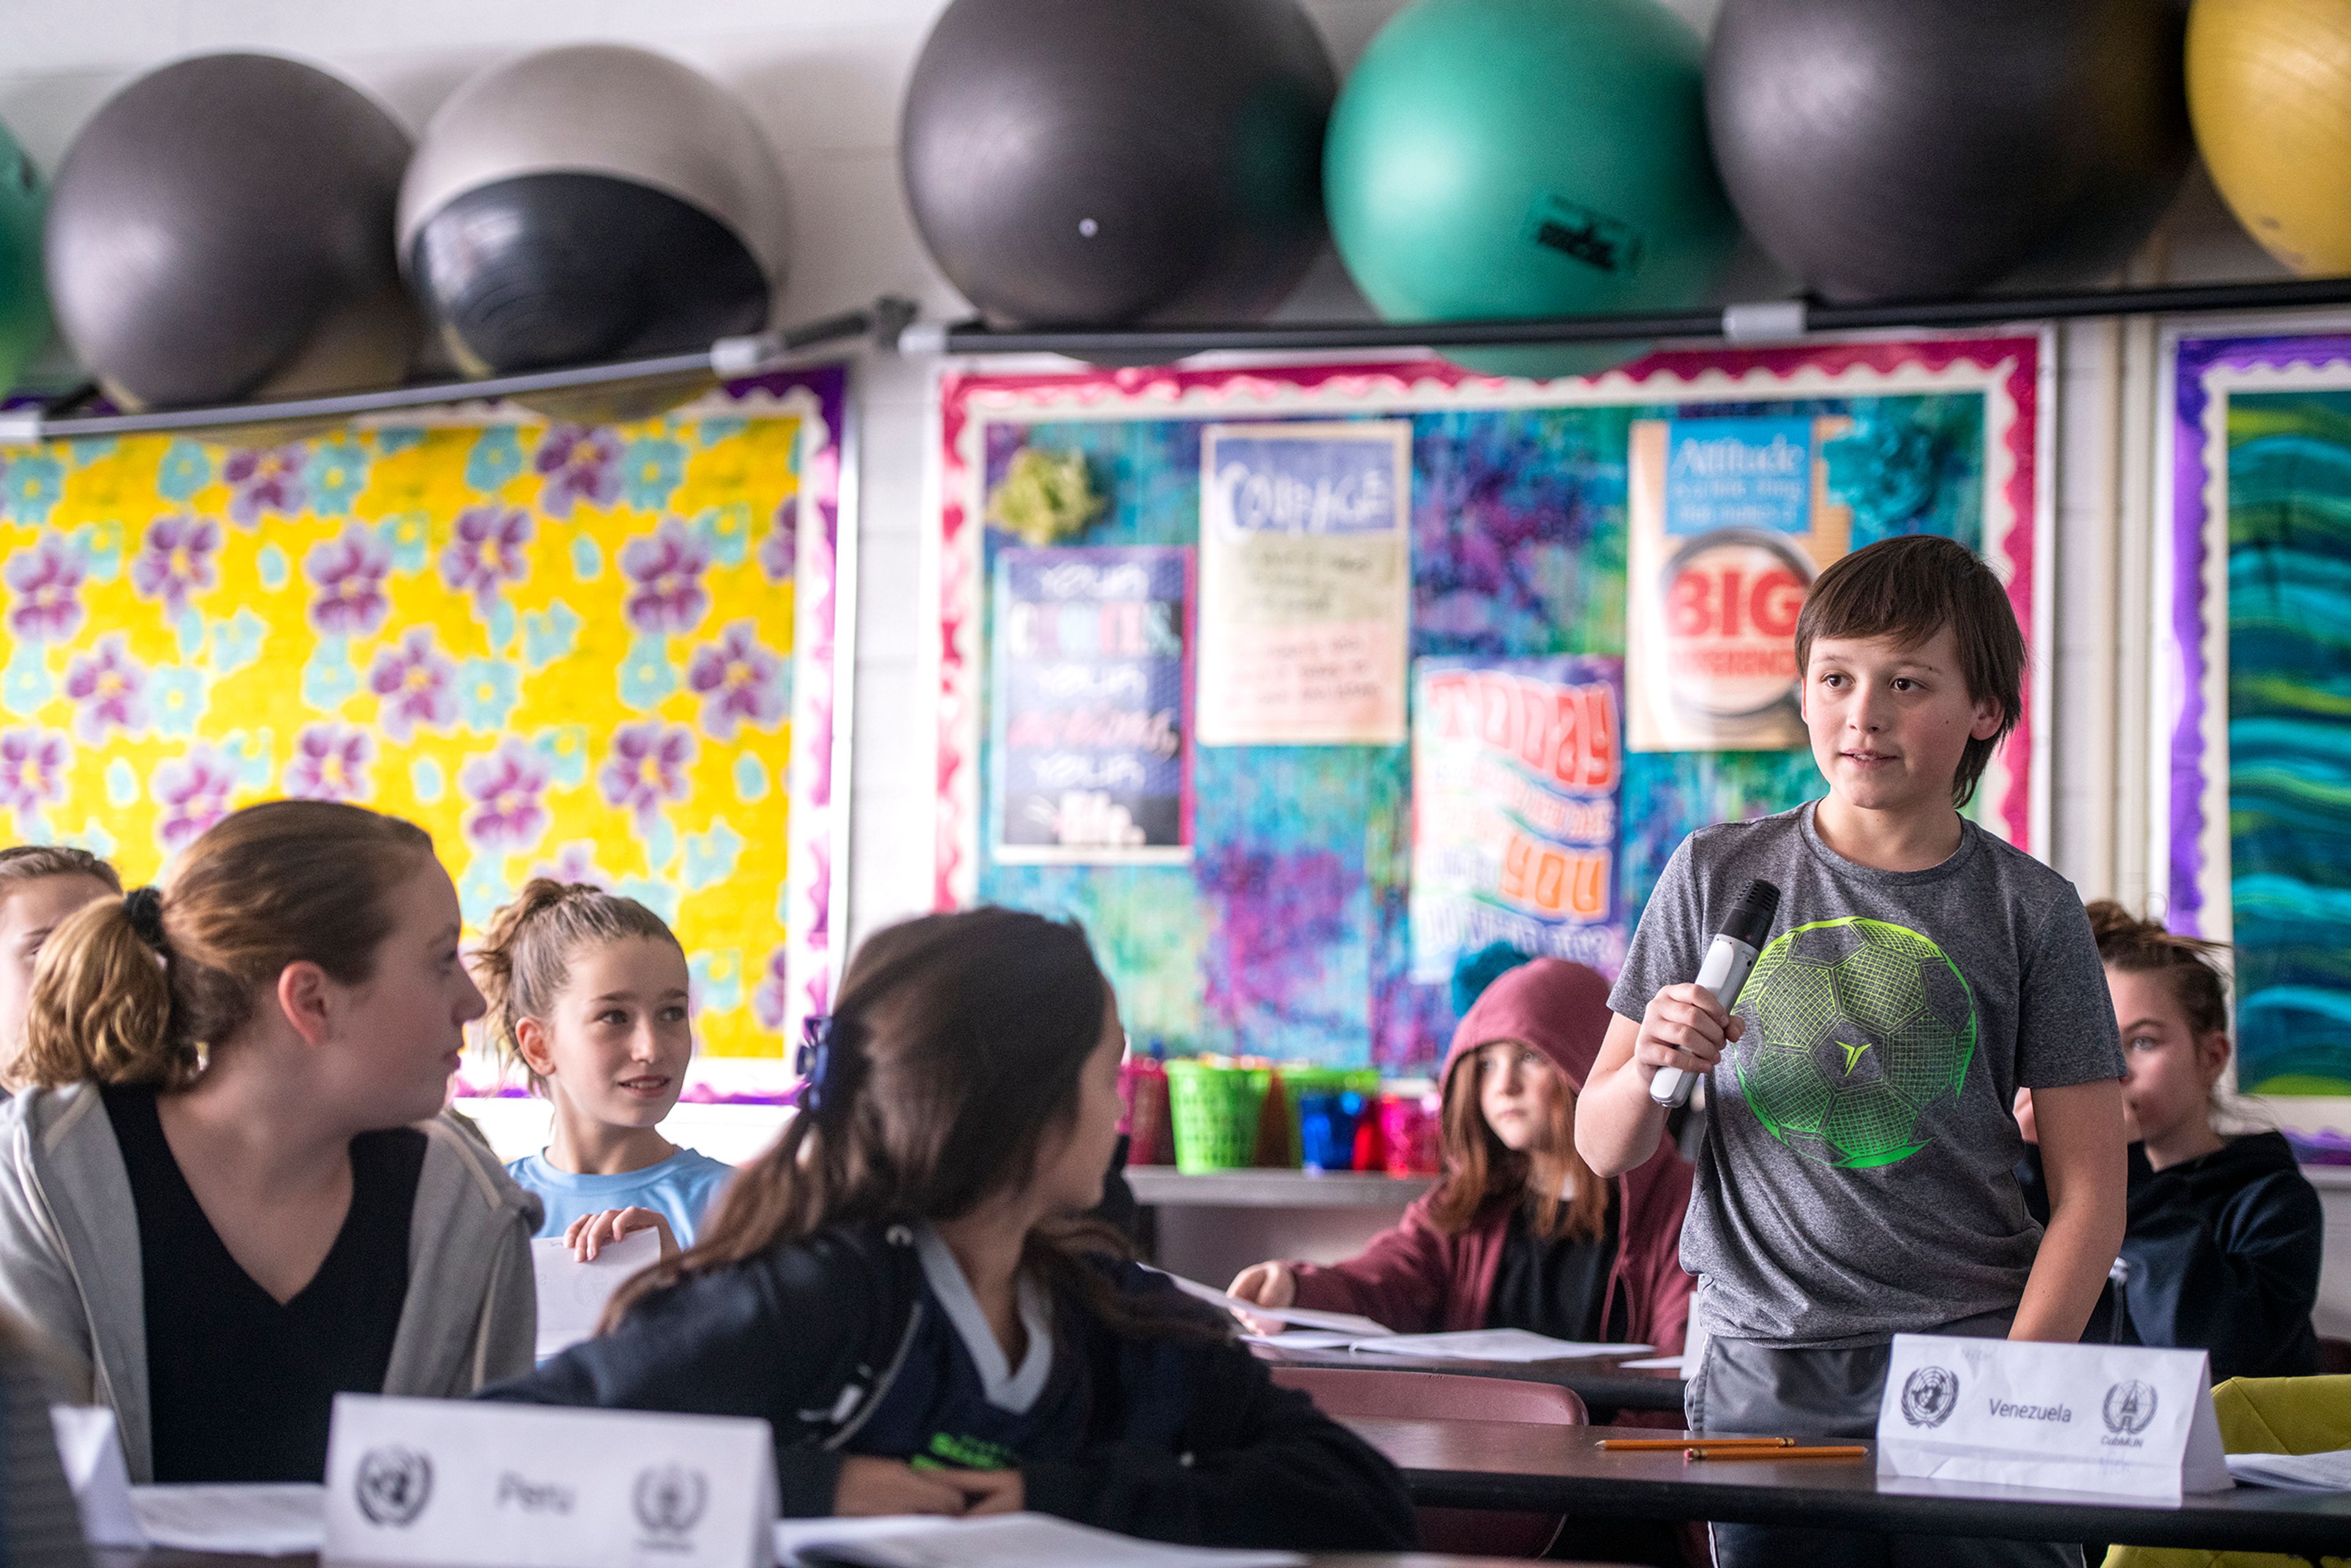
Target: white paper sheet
[(273, 1520), (1658, 1364), (2294, 1472), (1008, 1541), (571, 1295), (1489, 1344), (1304, 1317), (1305, 1339), (91, 1454)]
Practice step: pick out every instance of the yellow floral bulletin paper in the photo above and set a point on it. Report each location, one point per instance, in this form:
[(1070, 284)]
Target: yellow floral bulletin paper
[(602, 654)]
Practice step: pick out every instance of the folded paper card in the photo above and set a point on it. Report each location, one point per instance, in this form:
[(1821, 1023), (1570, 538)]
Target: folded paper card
[(571, 1294), (2115, 1419), (450, 1482), (1010, 1541)]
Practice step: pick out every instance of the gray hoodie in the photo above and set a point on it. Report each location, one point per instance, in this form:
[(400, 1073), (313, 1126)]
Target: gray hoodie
[(69, 1259)]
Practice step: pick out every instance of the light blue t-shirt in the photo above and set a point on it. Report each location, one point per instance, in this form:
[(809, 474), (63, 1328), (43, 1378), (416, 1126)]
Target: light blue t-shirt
[(679, 1189)]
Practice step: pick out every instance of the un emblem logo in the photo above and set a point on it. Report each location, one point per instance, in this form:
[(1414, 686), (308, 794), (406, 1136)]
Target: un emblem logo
[(669, 1498), (1929, 1395), (2130, 1408), (393, 1486)]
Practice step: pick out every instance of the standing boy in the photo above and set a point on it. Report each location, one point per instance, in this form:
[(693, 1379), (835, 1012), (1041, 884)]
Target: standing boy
[(1857, 1181)]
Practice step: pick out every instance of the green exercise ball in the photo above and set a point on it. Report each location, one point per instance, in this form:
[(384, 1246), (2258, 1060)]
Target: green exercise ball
[(24, 296), (1501, 158)]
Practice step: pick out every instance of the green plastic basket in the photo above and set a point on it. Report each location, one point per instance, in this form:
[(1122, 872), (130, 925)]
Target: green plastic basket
[(1215, 1112)]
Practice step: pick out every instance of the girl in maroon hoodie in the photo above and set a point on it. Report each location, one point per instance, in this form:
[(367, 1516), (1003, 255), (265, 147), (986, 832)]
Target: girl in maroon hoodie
[(1518, 1232)]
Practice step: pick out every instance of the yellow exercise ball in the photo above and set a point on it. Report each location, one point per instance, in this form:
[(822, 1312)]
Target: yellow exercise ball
[(2269, 92)]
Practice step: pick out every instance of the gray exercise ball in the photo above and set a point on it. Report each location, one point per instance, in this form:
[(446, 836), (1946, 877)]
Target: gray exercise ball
[(220, 230), (1919, 149), (592, 203), (1107, 163)]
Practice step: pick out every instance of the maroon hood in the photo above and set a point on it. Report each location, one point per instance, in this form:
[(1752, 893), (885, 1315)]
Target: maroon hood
[(1558, 1008)]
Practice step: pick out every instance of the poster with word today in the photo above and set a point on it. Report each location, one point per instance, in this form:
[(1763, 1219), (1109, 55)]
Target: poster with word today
[(1305, 583), (1730, 520), (1090, 712), (1516, 768)]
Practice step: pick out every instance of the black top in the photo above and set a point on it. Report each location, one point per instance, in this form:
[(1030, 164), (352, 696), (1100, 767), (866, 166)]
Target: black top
[(241, 1386), (1557, 1287), (2221, 1255), (1184, 1437)]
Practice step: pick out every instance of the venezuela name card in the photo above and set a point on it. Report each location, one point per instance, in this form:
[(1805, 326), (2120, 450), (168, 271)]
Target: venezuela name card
[(2116, 1419), (457, 1484)]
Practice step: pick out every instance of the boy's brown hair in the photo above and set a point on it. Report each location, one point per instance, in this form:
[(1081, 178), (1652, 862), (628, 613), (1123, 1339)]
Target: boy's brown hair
[(1908, 589)]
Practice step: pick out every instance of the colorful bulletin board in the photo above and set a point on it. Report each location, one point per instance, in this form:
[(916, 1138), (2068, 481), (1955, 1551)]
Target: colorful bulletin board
[(602, 654), (2256, 591), (1290, 926)]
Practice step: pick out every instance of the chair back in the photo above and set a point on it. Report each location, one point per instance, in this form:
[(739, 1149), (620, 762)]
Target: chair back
[(1450, 1396)]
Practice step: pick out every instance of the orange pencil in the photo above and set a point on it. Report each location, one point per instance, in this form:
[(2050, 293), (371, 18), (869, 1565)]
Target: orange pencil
[(1692, 1456), (1670, 1445)]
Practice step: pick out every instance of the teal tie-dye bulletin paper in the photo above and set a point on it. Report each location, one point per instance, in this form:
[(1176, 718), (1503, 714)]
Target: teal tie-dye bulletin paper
[(2260, 709), (1285, 931)]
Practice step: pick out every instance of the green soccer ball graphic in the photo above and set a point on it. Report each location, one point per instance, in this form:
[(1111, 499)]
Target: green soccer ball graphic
[(1854, 1028)]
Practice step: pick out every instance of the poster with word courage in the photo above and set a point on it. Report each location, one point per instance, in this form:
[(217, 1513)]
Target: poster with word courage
[(1731, 518), (1091, 705), (1305, 583), (1516, 768)]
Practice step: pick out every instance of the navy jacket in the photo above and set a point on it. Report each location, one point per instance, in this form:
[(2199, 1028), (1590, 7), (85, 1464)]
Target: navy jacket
[(1186, 1441), (2221, 1255)]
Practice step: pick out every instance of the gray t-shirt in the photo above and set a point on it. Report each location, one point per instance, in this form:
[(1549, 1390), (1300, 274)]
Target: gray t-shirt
[(1857, 1177)]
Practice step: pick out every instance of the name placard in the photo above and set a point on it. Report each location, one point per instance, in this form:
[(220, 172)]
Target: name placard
[(457, 1484), (2116, 1419)]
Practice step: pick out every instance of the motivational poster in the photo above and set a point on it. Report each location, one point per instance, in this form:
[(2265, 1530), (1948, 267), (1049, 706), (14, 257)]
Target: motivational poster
[(1090, 707), (1516, 770), (1305, 583), (1730, 521)]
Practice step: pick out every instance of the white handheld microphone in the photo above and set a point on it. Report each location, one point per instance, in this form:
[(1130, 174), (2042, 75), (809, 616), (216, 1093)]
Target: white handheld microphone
[(1728, 960)]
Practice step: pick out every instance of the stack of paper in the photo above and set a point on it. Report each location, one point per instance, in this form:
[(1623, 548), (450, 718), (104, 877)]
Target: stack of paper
[(1008, 1540), (263, 1520), (1492, 1344), (2295, 1472)]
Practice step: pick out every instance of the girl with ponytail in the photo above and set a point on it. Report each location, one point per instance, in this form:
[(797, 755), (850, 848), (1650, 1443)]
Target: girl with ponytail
[(588, 995), (903, 1288), (2225, 1237), (230, 1192)]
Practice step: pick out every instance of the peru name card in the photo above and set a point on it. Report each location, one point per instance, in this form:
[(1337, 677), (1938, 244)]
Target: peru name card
[(457, 1484), (2113, 1420)]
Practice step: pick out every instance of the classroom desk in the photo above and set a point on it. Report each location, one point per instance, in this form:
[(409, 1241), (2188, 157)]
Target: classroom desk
[(1598, 1380), (116, 1559), (1561, 1469)]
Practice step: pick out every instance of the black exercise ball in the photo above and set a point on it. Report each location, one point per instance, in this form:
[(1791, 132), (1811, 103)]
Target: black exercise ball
[(222, 229), (1110, 162), (1919, 149), (590, 203)]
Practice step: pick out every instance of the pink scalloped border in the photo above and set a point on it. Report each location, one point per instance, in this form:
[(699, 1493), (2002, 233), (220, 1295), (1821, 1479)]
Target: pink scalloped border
[(1167, 393)]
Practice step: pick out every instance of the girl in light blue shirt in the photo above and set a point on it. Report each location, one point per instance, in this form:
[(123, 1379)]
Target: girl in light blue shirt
[(588, 995)]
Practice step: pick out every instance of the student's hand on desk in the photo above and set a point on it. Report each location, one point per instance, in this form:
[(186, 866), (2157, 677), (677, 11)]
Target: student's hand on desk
[(1269, 1285), (989, 1492), (870, 1487), (1685, 1027), (591, 1233)]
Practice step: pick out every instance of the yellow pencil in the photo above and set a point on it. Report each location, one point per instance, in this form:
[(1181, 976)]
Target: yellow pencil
[(1672, 1445), (1692, 1456)]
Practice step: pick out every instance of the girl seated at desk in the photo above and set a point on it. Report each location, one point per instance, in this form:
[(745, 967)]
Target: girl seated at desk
[(902, 1286), (1518, 1232)]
